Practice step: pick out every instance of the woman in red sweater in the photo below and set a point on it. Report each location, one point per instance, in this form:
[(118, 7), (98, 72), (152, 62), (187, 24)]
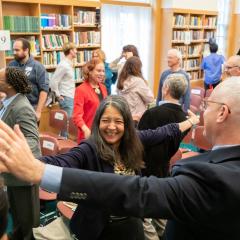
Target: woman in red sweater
[(88, 97)]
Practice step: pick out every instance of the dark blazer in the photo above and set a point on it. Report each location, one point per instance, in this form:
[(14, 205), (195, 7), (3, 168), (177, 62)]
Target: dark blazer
[(89, 221), (201, 200), (157, 157), (21, 112)]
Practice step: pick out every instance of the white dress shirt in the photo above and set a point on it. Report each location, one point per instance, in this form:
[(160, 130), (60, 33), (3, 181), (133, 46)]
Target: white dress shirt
[(62, 81)]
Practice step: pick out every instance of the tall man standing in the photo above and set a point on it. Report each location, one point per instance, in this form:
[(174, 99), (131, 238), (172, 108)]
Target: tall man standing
[(35, 72), (174, 58)]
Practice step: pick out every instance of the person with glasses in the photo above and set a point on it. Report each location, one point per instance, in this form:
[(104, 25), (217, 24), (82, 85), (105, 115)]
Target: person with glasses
[(232, 66), (113, 147), (200, 199)]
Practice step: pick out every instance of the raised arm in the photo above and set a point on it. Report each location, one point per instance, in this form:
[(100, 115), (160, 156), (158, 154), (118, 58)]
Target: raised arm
[(151, 137)]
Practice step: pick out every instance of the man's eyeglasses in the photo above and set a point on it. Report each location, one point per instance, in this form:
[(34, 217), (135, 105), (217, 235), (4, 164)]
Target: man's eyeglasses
[(206, 101), (230, 67)]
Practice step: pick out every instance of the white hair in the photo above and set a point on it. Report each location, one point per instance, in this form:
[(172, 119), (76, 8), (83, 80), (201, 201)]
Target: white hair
[(176, 53)]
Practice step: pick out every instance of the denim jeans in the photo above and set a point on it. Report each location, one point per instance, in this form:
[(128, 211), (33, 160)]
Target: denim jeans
[(67, 106)]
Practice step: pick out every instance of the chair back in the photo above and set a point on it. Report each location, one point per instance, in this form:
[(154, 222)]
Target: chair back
[(199, 140), (49, 145), (196, 101), (208, 93), (177, 156), (201, 120), (58, 120), (72, 130), (198, 91), (188, 138)]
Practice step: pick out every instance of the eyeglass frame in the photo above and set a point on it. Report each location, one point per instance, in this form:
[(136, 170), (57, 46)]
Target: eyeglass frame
[(205, 101), (230, 67)]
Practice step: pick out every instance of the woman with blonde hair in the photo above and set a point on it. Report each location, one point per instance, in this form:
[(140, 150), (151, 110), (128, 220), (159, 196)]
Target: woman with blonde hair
[(99, 54), (134, 88)]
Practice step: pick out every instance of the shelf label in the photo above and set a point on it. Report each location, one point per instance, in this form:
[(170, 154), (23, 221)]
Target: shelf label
[(5, 43)]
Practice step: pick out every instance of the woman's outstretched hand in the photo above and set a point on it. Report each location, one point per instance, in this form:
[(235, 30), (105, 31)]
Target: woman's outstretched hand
[(192, 119), (16, 156)]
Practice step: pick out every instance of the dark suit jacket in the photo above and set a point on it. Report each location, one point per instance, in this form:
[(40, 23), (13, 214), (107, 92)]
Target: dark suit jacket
[(89, 221), (21, 112), (157, 157), (201, 200)]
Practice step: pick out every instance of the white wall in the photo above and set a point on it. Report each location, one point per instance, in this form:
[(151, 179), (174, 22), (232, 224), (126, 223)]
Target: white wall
[(207, 5)]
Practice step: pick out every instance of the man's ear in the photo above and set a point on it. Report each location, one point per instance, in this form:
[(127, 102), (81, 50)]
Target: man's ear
[(222, 114)]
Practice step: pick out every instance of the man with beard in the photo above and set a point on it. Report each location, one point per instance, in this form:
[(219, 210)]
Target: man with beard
[(35, 72)]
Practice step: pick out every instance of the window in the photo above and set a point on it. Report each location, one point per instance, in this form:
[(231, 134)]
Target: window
[(123, 25), (224, 7)]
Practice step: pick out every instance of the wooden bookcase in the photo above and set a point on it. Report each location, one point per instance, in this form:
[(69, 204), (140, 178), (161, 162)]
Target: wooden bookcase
[(65, 27), (188, 31)]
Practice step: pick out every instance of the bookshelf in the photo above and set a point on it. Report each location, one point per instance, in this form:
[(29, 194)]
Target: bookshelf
[(188, 31), (48, 24)]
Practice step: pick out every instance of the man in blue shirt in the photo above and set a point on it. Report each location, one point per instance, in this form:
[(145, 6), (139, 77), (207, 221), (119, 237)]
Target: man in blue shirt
[(174, 59), (212, 66), (35, 72)]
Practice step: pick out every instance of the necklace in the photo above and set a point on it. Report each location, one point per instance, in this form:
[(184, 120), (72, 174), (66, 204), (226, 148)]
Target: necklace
[(97, 90)]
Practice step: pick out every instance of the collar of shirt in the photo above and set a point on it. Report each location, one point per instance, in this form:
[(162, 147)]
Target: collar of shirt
[(223, 146), (7, 101), (24, 64), (165, 101), (68, 61)]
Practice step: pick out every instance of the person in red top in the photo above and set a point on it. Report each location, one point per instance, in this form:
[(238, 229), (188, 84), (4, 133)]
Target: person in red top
[(88, 97)]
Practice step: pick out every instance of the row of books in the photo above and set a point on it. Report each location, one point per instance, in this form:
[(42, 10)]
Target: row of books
[(53, 41), (179, 20), (192, 35), (190, 50), (21, 23), (83, 56), (85, 17), (51, 59), (179, 35), (209, 34), (191, 63), (87, 38), (194, 75), (182, 49), (196, 35), (194, 50), (78, 74), (210, 21), (196, 21), (34, 46), (58, 21)]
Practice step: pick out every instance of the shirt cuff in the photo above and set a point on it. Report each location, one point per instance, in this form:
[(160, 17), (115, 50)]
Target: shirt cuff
[(52, 178)]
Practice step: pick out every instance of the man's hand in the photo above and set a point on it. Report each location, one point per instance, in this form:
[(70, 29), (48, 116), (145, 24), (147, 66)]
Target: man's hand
[(16, 156)]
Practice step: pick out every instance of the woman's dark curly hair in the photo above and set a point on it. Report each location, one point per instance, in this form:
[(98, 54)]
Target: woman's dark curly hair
[(16, 78)]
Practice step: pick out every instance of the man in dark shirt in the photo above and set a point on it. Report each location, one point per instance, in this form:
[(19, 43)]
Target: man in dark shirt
[(35, 72), (169, 111), (157, 157)]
